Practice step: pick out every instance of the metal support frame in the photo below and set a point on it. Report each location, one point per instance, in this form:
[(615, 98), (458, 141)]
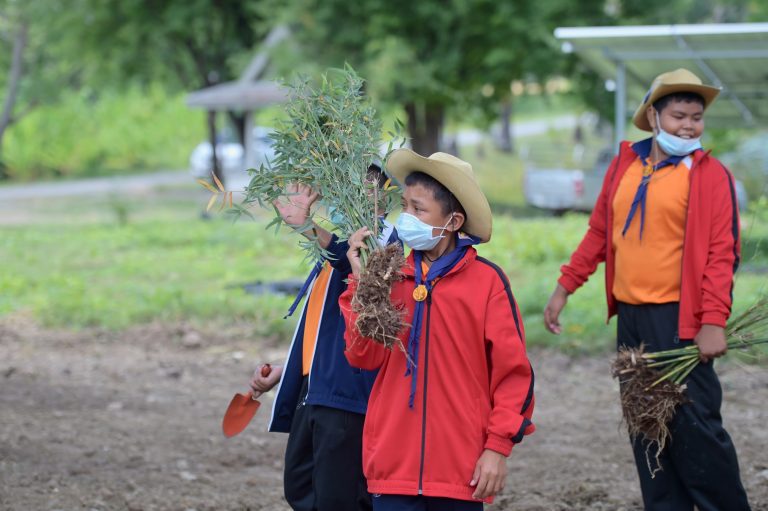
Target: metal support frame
[(248, 156), (620, 102), (621, 60), (746, 114)]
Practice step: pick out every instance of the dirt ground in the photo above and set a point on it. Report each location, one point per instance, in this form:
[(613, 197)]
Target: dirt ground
[(99, 420)]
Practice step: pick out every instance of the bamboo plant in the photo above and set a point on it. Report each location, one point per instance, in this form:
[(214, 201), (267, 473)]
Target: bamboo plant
[(329, 138), (653, 384)]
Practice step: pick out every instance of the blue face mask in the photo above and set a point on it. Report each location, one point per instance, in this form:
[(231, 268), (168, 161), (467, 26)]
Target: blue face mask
[(673, 145), (335, 216), (417, 234)]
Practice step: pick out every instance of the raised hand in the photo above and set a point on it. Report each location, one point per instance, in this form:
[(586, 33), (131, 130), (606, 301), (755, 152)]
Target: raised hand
[(294, 207)]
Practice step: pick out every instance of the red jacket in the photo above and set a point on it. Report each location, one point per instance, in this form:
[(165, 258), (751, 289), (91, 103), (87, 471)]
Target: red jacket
[(473, 370), (711, 248)]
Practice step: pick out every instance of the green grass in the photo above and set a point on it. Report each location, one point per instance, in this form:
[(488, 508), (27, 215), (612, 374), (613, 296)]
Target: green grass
[(79, 267), (115, 261)]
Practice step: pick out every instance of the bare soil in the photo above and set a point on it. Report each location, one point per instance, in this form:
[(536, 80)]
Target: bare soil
[(131, 420)]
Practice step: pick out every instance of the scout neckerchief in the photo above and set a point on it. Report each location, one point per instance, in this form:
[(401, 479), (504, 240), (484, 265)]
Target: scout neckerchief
[(643, 150), (422, 289), (387, 237)]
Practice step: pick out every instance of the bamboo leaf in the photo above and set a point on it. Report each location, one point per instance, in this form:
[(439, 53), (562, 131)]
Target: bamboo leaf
[(211, 202), (207, 185), (218, 183)]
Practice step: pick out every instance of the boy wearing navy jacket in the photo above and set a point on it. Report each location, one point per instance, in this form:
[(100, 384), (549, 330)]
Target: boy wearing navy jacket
[(321, 400)]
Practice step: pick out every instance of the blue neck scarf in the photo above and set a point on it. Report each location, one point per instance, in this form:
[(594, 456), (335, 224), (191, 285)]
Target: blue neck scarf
[(439, 268), (387, 237), (643, 150)]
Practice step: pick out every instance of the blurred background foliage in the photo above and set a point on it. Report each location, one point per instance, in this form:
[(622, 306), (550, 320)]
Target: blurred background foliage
[(433, 63), (97, 88)]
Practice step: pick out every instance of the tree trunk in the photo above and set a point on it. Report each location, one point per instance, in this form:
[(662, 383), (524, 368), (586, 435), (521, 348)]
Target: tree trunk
[(238, 121), (506, 142), (425, 124), (14, 77), (212, 136)]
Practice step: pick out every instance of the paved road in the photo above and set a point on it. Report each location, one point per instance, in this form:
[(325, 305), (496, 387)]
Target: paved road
[(142, 182), (97, 185)]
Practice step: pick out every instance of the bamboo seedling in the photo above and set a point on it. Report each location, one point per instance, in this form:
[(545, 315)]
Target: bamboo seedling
[(653, 384)]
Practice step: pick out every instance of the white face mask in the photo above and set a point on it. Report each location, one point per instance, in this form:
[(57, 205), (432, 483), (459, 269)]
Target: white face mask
[(673, 145), (417, 234)]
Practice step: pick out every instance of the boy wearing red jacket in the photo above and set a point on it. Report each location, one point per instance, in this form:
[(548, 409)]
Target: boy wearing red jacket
[(666, 224), (443, 418)]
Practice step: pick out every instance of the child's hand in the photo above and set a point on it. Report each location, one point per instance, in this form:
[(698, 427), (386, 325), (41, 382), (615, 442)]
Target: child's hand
[(265, 377), (490, 474), (552, 311), (711, 342), (356, 244), (295, 206)]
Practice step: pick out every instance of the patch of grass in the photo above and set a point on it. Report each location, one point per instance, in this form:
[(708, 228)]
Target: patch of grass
[(77, 262), (104, 274)]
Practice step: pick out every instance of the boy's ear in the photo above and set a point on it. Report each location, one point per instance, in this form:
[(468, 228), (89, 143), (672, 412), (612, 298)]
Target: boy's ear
[(457, 220)]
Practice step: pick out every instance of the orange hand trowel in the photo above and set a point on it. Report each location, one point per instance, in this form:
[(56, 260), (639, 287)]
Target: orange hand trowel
[(241, 409)]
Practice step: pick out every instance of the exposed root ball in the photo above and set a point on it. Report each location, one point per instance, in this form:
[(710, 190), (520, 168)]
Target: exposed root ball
[(377, 318), (647, 408)]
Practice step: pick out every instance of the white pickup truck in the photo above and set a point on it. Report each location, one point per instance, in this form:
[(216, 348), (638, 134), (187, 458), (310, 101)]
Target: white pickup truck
[(560, 190)]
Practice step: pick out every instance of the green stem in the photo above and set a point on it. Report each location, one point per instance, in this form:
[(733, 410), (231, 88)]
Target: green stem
[(682, 376), (671, 360), (669, 374), (671, 353), (739, 343)]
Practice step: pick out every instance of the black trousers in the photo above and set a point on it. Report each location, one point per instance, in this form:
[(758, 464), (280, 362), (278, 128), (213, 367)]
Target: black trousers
[(323, 460), (699, 464)]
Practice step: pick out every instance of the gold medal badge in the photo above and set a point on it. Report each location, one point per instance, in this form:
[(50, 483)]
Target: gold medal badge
[(420, 293)]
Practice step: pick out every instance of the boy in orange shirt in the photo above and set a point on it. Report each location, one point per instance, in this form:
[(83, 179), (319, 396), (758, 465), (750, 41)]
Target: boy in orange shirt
[(666, 224)]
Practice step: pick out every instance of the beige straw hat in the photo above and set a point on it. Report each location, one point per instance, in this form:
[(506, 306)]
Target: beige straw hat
[(679, 80)]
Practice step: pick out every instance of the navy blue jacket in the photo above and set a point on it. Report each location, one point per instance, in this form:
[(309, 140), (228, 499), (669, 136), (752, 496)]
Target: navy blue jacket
[(332, 381)]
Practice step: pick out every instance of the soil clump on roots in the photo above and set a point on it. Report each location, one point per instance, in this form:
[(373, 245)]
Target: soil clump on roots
[(377, 317), (647, 405)]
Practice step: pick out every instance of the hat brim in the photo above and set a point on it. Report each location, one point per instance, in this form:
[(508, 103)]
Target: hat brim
[(640, 119), (403, 162)]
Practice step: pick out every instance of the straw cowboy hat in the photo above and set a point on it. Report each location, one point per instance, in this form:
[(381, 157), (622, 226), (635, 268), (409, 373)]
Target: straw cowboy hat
[(457, 176), (679, 80)]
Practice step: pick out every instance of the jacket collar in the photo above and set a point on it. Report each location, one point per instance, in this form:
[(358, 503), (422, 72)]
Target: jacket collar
[(469, 256)]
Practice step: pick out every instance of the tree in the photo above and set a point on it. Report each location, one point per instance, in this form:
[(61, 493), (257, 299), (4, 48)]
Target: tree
[(183, 43), (430, 57), (32, 50)]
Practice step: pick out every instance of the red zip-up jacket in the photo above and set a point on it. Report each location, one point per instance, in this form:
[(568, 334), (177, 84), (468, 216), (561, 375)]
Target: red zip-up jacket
[(474, 383), (711, 247)]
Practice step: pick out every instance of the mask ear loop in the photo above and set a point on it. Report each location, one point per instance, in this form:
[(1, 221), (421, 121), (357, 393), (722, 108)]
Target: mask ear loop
[(445, 227), (656, 132)]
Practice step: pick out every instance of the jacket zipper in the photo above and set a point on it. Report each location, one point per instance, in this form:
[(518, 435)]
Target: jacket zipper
[(609, 225), (424, 399), (682, 252)]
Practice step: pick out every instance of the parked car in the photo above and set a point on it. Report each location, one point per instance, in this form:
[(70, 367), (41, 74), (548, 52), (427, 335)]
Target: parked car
[(559, 190), (231, 156)]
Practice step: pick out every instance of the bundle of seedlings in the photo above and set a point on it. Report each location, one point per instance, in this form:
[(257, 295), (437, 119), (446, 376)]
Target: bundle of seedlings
[(652, 385), (328, 140)]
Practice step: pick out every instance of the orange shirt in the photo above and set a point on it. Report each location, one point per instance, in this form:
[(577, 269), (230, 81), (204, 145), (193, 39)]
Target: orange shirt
[(648, 270), (315, 304)]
